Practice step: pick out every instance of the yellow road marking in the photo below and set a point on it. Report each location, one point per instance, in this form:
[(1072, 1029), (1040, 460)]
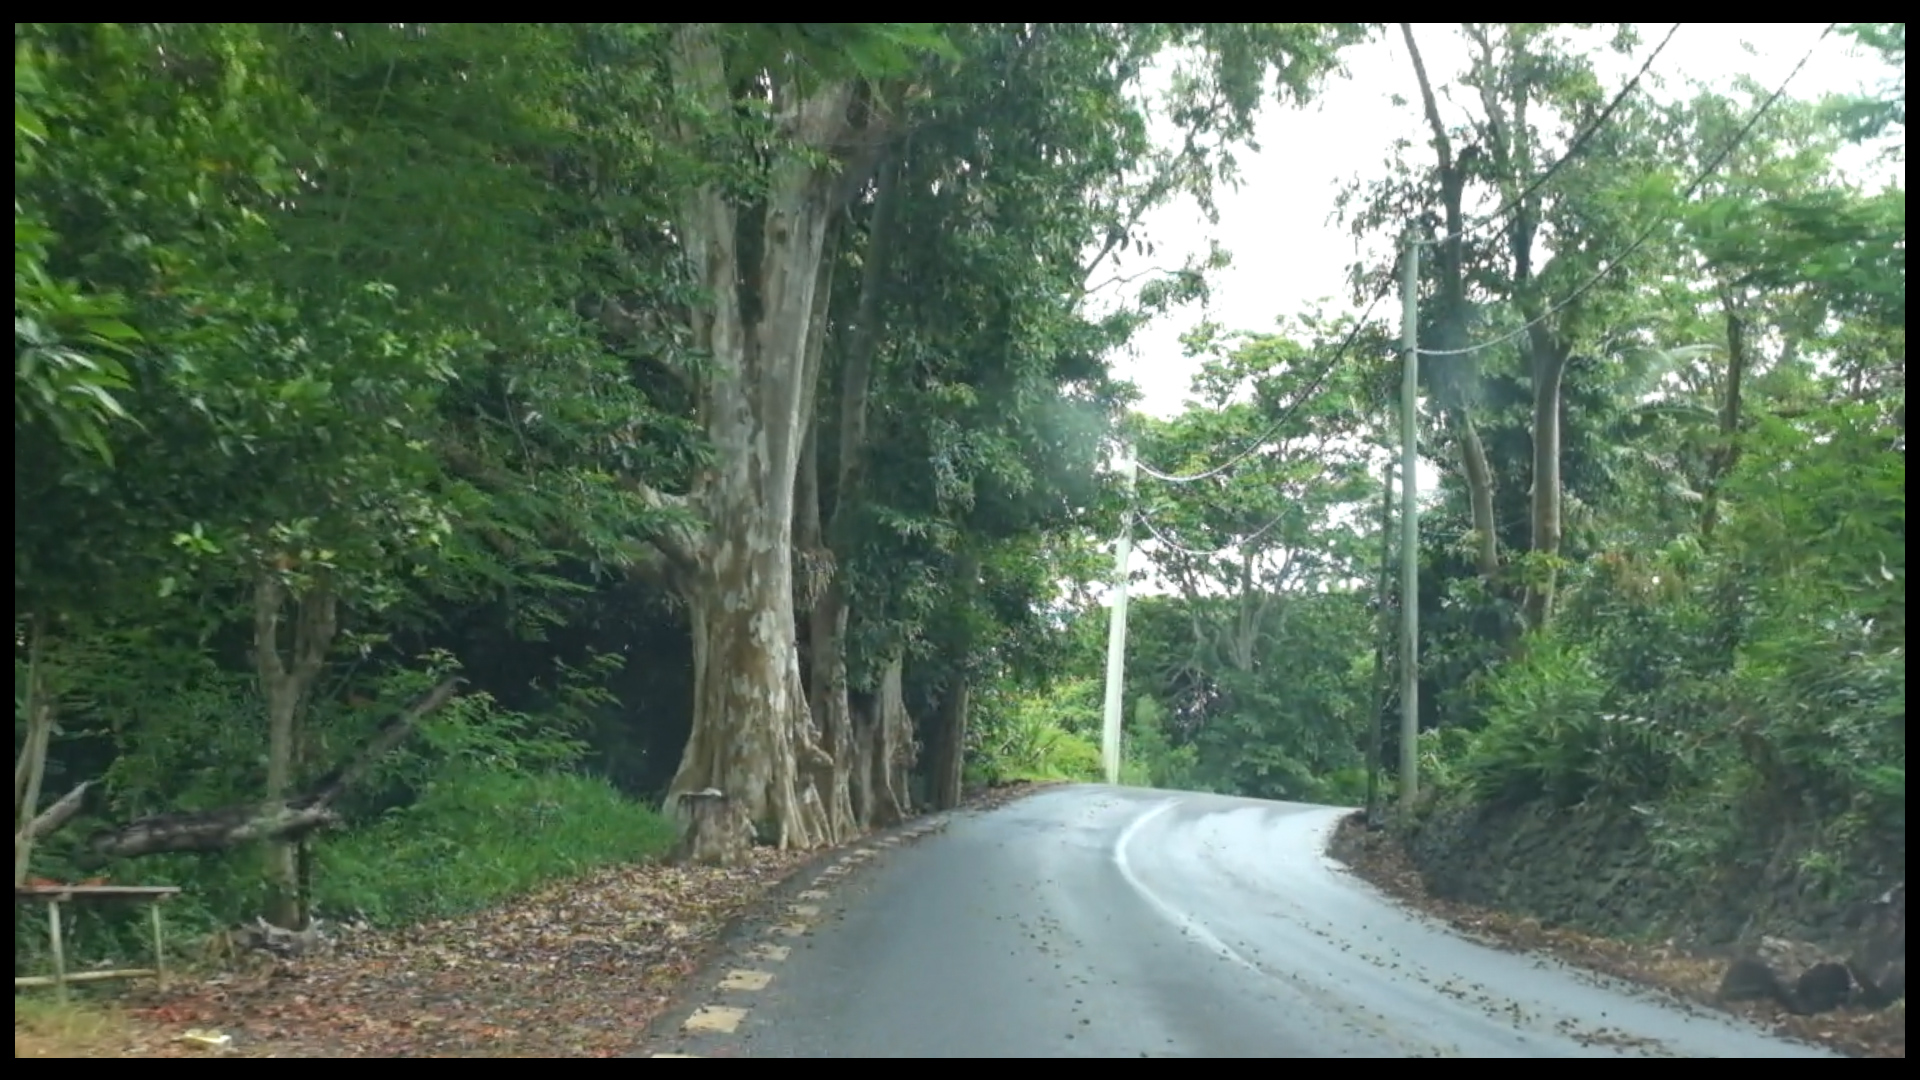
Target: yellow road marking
[(716, 1018), (803, 911), (773, 954), (791, 929), (746, 980), (813, 894)]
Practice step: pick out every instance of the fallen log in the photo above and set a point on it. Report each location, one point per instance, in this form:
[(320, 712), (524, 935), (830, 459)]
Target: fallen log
[(211, 830), (61, 812), (232, 826)]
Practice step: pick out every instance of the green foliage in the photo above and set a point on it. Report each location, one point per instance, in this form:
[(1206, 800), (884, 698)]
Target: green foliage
[(1150, 759), (1549, 734), (478, 835), (1045, 736)]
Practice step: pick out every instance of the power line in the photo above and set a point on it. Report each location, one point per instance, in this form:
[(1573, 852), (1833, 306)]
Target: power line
[(1573, 149), (1147, 520), (1711, 166), (1275, 428), (1693, 186)]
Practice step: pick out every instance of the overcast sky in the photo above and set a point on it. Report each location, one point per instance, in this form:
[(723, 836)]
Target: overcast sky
[(1289, 254)]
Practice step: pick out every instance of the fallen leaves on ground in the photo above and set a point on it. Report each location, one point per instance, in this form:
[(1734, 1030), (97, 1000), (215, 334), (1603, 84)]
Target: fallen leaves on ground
[(1380, 858), (576, 969)]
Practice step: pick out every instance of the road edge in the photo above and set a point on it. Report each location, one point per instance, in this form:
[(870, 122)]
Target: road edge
[(1376, 857), (707, 1008)]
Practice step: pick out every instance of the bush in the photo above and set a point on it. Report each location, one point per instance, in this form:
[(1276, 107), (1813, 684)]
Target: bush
[(478, 836), (1549, 734), (1022, 737), (1151, 758), (1342, 787)]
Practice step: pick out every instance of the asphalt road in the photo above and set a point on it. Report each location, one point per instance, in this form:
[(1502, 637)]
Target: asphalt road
[(1105, 922)]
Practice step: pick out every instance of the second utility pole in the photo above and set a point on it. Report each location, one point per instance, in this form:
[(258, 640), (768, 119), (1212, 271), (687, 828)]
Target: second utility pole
[(1410, 526), (1117, 629)]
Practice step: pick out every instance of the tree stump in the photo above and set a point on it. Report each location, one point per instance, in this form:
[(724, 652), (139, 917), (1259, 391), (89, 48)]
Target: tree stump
[(715, 830)]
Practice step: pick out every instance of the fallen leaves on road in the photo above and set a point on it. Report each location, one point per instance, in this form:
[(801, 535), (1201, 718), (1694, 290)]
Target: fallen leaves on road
[(1379, 858)]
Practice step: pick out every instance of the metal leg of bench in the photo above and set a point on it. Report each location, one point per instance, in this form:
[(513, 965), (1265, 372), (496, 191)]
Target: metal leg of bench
[(59, 951)]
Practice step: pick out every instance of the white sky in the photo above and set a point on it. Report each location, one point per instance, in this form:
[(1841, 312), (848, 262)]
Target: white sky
[(1289, 254)]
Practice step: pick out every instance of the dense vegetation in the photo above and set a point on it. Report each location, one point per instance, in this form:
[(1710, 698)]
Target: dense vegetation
[(436, 444), (440, 446), (1662, 583)]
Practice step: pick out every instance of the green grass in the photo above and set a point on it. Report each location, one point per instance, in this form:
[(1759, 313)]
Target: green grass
[(477, 838)]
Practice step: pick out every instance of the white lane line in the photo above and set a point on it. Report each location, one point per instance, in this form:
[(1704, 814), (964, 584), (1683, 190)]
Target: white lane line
[(1186, 922)]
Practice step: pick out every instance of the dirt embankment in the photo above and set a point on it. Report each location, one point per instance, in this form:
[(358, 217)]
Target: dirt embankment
[(1586, 886)]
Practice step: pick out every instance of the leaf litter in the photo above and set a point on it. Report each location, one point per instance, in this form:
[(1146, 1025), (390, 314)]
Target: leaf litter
[(575, 969), (1380, 859)]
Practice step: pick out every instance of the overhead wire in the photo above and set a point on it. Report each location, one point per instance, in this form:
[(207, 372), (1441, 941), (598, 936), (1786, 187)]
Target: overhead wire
[(1280, 423), (1574, 148), (1614, 264), (1707, 171), (1147, 520)]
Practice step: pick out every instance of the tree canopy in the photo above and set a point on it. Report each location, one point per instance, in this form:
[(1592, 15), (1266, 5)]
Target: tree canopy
[(720, 413)]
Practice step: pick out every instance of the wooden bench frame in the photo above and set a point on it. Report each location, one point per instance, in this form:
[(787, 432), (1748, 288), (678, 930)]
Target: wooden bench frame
[(55, 895)]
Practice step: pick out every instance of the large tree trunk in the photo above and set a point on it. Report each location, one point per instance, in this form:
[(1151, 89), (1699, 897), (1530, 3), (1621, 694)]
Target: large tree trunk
[(863, 746), (822, 592), (827, 660), (285, 683), (1508, 139), (829, 528), (752, 735), (750, 728), (950, 743), (1479, 473), (887, 750)]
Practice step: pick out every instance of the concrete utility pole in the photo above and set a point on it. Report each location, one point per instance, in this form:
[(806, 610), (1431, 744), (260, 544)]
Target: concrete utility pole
[(1117, 629), (1382, 633), (1410, 525)]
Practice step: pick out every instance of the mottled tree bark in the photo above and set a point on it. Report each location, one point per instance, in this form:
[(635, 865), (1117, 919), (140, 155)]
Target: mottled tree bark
[(853, 747), (752, 736), (759, 256), (888, 752)]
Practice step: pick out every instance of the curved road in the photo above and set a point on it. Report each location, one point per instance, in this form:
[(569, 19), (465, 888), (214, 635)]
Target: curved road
[(1113, 922)]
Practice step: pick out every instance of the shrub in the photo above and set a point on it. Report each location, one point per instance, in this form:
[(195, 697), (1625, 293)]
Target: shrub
[(1542, 716), (477, 836)]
